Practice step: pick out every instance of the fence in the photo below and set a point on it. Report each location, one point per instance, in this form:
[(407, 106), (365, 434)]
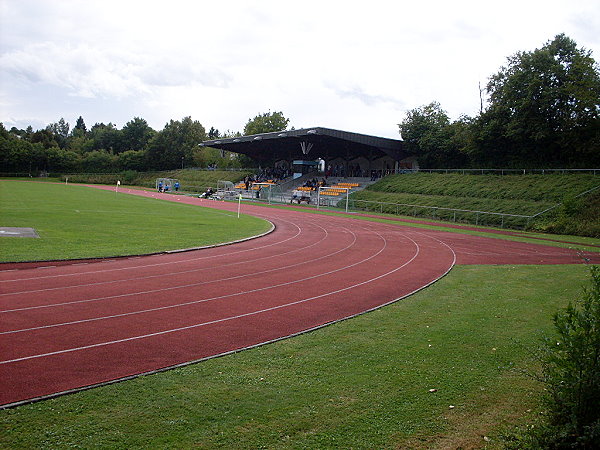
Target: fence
[(508, 171), (278, 194), (486, 218), (455, 215), (483, 218), (447, 214)]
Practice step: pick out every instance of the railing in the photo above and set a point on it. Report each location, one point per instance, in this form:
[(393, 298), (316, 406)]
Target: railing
[(507, 171), (453, 215), (446, 214), (483, 218)]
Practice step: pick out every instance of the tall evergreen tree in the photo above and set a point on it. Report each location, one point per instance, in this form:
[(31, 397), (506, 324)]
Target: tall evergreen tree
[(79, 128)]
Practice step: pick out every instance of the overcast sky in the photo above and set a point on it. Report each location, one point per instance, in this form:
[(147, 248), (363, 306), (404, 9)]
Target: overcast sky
[(350, 65)]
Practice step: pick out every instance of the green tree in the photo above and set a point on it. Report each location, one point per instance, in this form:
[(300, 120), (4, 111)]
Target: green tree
[(428, 134), (4, 133), (79, 143), (15, 153), (544, 107), (61, 160), (175, 145), (132, 160), (45, 137), (99, 161), (266, 123), (79, 129), (213, 133), (60, 131), (105, 137), (136, 134)]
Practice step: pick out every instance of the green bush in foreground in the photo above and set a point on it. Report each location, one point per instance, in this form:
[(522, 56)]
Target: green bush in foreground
[(571, 374)]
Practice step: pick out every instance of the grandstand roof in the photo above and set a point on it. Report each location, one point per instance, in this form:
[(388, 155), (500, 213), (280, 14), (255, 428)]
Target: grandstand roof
[(310, 144)]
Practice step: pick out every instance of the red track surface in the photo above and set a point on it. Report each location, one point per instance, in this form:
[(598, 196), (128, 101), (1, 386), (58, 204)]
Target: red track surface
[(69, 326)]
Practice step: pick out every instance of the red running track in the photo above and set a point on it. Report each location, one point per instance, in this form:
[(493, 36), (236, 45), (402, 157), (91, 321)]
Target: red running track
[(78, 325)]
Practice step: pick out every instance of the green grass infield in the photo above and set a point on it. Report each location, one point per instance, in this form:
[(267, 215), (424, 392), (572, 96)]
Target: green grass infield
[(78, 222)]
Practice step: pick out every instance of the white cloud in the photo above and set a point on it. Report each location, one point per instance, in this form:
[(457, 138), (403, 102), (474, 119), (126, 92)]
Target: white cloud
[(83, 70), (351, 65)]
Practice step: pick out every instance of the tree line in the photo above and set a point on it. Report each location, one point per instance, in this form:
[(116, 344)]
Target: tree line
[(542, 110), (135, 147)]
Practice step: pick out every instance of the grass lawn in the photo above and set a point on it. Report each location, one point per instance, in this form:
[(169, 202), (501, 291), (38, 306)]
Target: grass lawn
[(78, 222), (361, 383)]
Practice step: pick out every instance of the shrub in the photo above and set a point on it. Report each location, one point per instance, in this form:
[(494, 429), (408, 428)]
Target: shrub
[(570, 371), (128, 176)]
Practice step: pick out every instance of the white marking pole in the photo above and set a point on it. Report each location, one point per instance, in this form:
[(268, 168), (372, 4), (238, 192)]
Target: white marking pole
[(117, 186), (318, 196), (239, 204), (347, 194)]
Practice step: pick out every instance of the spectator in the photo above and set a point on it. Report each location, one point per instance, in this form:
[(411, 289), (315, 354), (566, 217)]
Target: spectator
[(208, 193)]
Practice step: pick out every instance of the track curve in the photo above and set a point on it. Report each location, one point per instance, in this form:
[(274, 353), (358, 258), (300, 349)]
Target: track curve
[(72, 326)]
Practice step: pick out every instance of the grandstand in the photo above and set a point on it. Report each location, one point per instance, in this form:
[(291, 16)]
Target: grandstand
[(306, 187), (339, 188), (348, 161)]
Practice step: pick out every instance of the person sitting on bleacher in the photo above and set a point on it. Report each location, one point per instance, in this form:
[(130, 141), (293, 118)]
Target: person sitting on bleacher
[(208, 193)]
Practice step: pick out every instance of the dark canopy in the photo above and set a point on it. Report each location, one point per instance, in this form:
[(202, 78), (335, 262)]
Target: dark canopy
[(310, 144)]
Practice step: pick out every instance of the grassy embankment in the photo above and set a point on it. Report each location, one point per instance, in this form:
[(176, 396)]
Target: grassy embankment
[(191, 180), (78, 222), (509, 194)]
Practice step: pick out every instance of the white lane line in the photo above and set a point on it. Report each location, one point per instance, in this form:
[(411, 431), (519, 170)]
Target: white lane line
[(166, 274), (179, 286), (224, 319), (142, 266), (52, 305), (194, 302)]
